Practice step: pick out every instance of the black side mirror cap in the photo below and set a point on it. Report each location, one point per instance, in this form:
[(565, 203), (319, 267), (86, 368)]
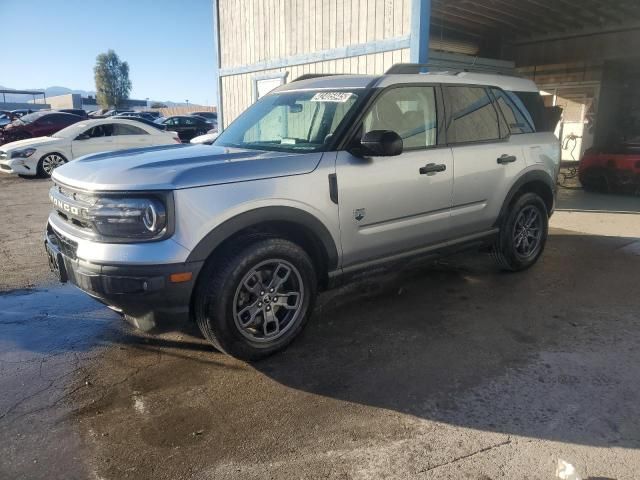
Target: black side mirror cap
[(381, 143)]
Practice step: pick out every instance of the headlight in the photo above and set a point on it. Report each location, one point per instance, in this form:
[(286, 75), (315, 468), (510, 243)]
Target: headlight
[(23, 153), (129, 218)]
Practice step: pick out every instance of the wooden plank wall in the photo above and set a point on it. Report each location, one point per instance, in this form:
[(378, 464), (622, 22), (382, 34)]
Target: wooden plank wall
[(256, 30), (237, 90)]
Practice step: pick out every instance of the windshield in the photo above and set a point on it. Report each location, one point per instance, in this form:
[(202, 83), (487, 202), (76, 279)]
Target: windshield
[(31, 117), (290, 121)]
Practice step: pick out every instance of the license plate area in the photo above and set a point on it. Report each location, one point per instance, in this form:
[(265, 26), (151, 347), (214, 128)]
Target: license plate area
[(56, 262)]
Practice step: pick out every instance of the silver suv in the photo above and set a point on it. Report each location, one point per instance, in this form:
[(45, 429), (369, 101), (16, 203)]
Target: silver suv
[(321, 180)]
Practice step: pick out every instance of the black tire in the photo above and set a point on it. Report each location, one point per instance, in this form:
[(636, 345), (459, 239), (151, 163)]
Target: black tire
[(223, 280), (42, 169), (508, 249)]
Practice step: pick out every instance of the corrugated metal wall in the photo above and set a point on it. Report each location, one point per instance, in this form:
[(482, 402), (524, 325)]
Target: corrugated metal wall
[(253, 31), (238, 89), (256, 30)]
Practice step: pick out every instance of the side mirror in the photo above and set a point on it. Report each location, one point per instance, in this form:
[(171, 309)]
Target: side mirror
[(381, 143), (83, 136)]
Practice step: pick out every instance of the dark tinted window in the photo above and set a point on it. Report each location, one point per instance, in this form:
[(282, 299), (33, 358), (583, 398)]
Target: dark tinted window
[(408, 111), (98, 131), (534, 105), (516, 121), (474, 118), (121, 129)]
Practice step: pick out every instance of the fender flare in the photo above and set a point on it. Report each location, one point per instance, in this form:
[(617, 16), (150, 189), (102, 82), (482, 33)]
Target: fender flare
[(219, 234), (529, 177)]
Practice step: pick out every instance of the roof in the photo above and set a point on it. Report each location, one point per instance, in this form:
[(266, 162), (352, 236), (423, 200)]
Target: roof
[(522, 19), (23, 92), (336, 82)]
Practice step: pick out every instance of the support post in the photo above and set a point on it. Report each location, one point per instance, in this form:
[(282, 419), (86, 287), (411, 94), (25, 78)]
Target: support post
[(217, 63), (420, 22)]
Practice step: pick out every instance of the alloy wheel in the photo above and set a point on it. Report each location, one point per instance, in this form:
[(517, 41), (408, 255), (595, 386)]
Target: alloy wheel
[(527, 232), (268, 301), (51, 162)]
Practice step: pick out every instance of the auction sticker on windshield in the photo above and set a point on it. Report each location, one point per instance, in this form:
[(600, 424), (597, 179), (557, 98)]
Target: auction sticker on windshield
[(338, 97)]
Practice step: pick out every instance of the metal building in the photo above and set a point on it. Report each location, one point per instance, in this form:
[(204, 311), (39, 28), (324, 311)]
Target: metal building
[(580, 52)]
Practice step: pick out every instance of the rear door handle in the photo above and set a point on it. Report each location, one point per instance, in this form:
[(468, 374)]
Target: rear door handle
[(506, 159), (432, 168)]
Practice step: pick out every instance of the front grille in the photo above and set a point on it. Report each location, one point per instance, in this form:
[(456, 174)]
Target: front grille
[(71, 206), (67, 247)]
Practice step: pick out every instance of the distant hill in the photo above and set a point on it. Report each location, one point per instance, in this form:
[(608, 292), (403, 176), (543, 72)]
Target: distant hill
[(56, 90)]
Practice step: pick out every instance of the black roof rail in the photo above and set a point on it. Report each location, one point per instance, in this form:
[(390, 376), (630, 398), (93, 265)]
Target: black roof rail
[(451, 67), (308, 76)]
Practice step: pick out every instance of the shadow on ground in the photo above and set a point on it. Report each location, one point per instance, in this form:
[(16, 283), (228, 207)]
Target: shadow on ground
[(548, 354)]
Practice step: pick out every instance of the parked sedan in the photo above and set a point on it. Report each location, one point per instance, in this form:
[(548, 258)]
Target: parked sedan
[(40, 156), (206, 139), (76, 111), (187, 126), (144, 120), (5, 118), (37, 124)]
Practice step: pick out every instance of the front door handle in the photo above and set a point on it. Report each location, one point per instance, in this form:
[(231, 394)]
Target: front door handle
[(506, 159), (432, 168)]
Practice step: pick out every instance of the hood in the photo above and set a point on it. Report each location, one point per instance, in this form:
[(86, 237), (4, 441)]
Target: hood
[(180, 166), (29, 142)]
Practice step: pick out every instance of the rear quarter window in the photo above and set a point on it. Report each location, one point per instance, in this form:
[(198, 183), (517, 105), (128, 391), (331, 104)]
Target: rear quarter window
[(534, 105)]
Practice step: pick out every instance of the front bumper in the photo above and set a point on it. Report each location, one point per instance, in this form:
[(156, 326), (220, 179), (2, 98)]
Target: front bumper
[(17, 167), (144, 294)]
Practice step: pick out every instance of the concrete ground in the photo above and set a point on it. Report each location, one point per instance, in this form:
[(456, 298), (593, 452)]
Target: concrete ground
[(450, 370)]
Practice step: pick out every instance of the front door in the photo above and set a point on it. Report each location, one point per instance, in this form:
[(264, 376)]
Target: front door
[(96, 139), (391, 205)]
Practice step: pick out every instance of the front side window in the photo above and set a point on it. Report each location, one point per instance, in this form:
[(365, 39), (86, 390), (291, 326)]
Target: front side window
[(299, 121), (100, 131), (473, 116), (408, 111)]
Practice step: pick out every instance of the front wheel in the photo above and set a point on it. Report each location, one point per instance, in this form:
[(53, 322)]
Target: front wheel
[(254, 301), (49, 163), (523, 233)]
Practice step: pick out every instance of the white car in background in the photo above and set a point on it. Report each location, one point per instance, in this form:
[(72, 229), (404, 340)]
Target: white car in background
[(207, 138), (40, 156)]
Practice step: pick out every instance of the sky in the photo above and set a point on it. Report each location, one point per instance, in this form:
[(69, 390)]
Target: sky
[(167, 43)]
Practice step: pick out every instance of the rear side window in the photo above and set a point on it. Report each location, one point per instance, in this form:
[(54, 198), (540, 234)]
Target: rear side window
[(534, 105), (473, 116), (122, 129), (516, 121)]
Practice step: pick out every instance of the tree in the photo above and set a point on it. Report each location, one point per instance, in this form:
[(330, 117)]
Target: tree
[(112, 80)]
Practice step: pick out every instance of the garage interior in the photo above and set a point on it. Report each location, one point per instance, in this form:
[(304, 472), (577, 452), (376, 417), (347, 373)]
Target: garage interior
[(579, 52)]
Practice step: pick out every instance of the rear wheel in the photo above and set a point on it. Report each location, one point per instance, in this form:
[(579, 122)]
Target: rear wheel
[(523, 233), (255, 300), (49, 163)]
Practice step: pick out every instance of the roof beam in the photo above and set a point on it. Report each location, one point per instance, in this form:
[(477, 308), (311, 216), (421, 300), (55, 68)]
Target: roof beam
[(551, 9), (519, 20), (491, 20), (550, 22)]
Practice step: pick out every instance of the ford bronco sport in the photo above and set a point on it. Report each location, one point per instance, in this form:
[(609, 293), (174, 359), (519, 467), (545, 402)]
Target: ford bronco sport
[(319, 181)]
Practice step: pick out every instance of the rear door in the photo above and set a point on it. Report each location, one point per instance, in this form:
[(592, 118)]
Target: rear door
[(130, 136), (392, 205), (486, 158)]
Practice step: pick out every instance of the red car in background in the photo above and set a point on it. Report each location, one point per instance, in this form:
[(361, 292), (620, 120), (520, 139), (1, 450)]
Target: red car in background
[(614, 169), (37, 124)]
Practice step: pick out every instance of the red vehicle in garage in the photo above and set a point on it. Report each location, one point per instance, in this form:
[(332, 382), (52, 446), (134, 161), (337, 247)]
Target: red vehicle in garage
[(614, 169), (37, 124)]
